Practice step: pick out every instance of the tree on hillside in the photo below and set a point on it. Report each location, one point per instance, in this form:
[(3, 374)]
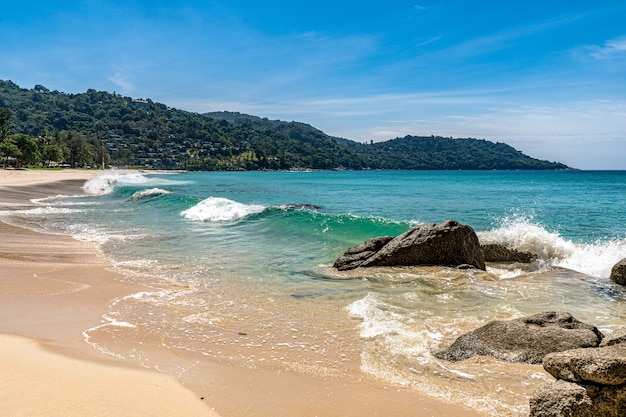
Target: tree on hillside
[(50, 147), (29, 150), (9, 151), (5, 116), (78, 151)]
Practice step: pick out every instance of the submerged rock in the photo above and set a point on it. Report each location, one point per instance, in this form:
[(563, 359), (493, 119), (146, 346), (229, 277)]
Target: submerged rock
[(309, 207), (618, 273), (501, 253), (526, 339), (448, 243)]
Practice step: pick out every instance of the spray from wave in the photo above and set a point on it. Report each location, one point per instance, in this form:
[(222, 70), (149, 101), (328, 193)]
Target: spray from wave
[(218, 209), (595, 259)]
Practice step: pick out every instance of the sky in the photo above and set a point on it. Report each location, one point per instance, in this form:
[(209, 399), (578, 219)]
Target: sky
[(547, 77)]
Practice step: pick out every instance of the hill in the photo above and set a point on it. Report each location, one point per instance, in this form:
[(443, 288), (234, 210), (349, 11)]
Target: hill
[(95, 127)]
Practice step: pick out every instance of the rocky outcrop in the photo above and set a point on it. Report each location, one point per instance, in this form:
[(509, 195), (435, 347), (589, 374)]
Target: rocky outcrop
[(618, 273), (526, 339), (590, 382), (448, 243), (501, 253)]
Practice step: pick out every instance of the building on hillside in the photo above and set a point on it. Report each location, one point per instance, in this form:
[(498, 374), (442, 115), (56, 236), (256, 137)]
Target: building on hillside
[(141, 103)]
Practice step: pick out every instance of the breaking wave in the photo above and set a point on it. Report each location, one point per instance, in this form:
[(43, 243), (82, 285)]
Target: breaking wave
[(218, 209), (523, 234), (104, 183)]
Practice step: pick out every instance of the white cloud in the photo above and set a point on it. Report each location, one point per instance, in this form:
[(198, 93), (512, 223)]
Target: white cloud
[(609, 49), (121, 80)]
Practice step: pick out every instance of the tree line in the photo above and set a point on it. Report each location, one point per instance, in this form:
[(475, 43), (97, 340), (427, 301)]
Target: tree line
[(96, 128), (49, 149)]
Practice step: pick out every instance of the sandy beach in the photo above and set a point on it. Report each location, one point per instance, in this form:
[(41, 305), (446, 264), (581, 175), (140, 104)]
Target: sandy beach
[(53, 287)]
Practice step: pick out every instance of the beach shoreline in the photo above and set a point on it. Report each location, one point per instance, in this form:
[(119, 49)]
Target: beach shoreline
[(53, 287)]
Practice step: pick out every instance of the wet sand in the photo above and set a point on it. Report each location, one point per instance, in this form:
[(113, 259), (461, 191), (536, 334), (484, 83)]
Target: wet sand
[(52, 288)]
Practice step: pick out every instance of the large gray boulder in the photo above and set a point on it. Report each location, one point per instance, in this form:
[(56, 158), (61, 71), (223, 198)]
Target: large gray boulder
[(448, 243), (603, 365), (526, 339), (567, 399), (618, 272)]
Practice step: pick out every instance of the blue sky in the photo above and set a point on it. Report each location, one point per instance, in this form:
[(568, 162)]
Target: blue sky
[(547, 77)]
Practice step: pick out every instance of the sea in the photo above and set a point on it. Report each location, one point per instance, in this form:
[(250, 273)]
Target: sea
[(237, 267)]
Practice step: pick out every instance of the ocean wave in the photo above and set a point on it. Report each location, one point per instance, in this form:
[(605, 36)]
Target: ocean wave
[(104, 183), (526, 236), (152, 192), (595, 259), (218, 209), (41, 211), (59, 200)]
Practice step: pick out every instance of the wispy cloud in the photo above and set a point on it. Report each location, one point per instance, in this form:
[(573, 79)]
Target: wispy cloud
[(609, 49), (121, 80), (429, 41), (503, 39)]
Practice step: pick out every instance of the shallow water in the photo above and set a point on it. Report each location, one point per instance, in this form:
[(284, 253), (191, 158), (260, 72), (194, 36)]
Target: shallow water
[(237, 270)]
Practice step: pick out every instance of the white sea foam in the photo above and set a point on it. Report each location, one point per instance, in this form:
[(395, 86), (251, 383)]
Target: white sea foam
[(525, 236), (380, 321), (595, 259), (59, 200), (218, 209), (149, 193), (104, 183), (98, 236), (40, 211)]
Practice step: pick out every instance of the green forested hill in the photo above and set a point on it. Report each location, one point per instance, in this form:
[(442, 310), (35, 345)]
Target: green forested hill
[(95, 127)]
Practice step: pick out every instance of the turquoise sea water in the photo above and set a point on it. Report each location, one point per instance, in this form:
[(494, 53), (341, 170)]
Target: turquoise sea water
[(250, 253)]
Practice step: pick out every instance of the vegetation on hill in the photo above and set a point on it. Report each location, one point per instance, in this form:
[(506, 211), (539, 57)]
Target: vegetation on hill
[(95, 128)]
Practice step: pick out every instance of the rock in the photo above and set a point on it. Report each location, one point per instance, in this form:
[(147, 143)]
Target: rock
[(526, 339), (567, 399), (501, 253), (355, 256), (618, 273), (309, 207), (618, 336), (448, 243), (590, 382), (562, 399), (603, 366)]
